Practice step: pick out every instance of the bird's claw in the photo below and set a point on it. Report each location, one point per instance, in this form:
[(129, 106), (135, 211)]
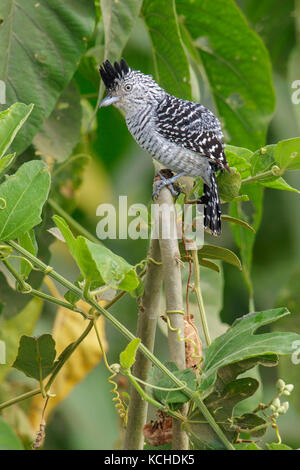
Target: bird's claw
[(166, 182)]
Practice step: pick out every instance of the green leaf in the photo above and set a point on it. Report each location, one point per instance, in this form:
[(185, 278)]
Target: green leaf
[(222, 401), (8, 439), (36, 356), (6, 162), (27, 240), (97, 263), (13, 328), (46, 40), (239, 162), (274, 19), (206, 263), (287, 154), (233, 220), (176, 398), (127, 357), (218, 252), (61, 131), (11, 121), (280, 184), (22, 197), (236, 65), (248, 421), (171, 64), (247, 446), (229, 185), (118, 19), (240, 343), (221, 404), (277, 446)]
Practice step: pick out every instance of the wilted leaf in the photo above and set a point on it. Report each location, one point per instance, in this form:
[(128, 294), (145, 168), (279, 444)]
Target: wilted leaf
[(68, 326), (36, 356), (22, 197)]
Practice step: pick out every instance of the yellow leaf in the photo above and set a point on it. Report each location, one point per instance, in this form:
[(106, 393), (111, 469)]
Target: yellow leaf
[(68, 326)]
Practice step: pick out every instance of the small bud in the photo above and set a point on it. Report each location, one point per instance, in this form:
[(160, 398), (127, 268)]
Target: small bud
[(115, 368), (276, 415), (289, 387), (280, 384), (276, 403), (273, 408), (286, 392), (285, 405)]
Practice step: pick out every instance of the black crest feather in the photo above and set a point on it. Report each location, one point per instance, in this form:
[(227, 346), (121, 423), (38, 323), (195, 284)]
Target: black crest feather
[(109, 73)]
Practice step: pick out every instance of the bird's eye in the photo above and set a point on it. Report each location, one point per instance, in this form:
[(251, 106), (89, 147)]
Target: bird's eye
[(128, 87)]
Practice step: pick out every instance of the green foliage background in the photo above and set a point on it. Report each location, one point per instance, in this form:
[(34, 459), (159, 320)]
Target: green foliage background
[(236, 78)]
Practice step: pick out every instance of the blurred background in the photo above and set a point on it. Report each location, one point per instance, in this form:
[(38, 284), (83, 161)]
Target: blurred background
[(118, 166)]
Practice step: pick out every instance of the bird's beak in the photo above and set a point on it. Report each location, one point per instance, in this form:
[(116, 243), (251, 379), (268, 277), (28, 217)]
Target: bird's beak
[(108, 100)]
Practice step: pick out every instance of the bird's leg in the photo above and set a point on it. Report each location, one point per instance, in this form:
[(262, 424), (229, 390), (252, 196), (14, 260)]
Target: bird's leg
[(167, 182)]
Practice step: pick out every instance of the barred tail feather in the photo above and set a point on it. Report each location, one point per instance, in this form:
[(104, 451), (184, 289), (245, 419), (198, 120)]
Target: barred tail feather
[(212, 206)]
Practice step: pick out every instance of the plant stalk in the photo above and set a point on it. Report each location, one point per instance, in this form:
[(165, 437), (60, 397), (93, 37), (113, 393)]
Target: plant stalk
[(170, 256), (146, 329)]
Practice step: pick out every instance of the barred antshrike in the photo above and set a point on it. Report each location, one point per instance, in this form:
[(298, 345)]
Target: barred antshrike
[(185, 137)]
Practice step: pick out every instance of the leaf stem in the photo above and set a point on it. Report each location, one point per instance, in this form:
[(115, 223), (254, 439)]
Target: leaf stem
[(73, 223)]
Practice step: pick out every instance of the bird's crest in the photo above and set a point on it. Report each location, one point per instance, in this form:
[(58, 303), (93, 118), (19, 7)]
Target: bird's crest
[(110, 73)]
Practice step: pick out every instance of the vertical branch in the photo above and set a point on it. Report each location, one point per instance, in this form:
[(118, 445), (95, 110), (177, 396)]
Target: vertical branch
[(146, 329), (170, 256)]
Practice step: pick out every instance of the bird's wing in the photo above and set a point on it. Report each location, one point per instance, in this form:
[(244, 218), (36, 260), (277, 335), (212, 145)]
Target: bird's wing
[(192, 126)]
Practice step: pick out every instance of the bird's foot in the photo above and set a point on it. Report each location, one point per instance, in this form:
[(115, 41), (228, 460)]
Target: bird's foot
[(167, 178)]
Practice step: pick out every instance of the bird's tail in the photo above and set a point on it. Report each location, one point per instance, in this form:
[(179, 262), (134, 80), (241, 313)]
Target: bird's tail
[(212, 206)]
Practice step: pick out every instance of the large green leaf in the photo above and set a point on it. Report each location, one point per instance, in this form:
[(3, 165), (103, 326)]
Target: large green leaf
[(40, 46), (274, 19), (36, 356), (61, 131), (118, 19), (240, 343), (97, 263), (22, 197), (171, 64), (8, 439), (11, 121), (236, 65)]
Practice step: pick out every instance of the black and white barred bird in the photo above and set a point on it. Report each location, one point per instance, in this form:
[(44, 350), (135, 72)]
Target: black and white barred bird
[(183, 136)]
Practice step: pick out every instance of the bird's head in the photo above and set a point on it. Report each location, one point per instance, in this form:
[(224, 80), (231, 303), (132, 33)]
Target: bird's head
[(126, 88)]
